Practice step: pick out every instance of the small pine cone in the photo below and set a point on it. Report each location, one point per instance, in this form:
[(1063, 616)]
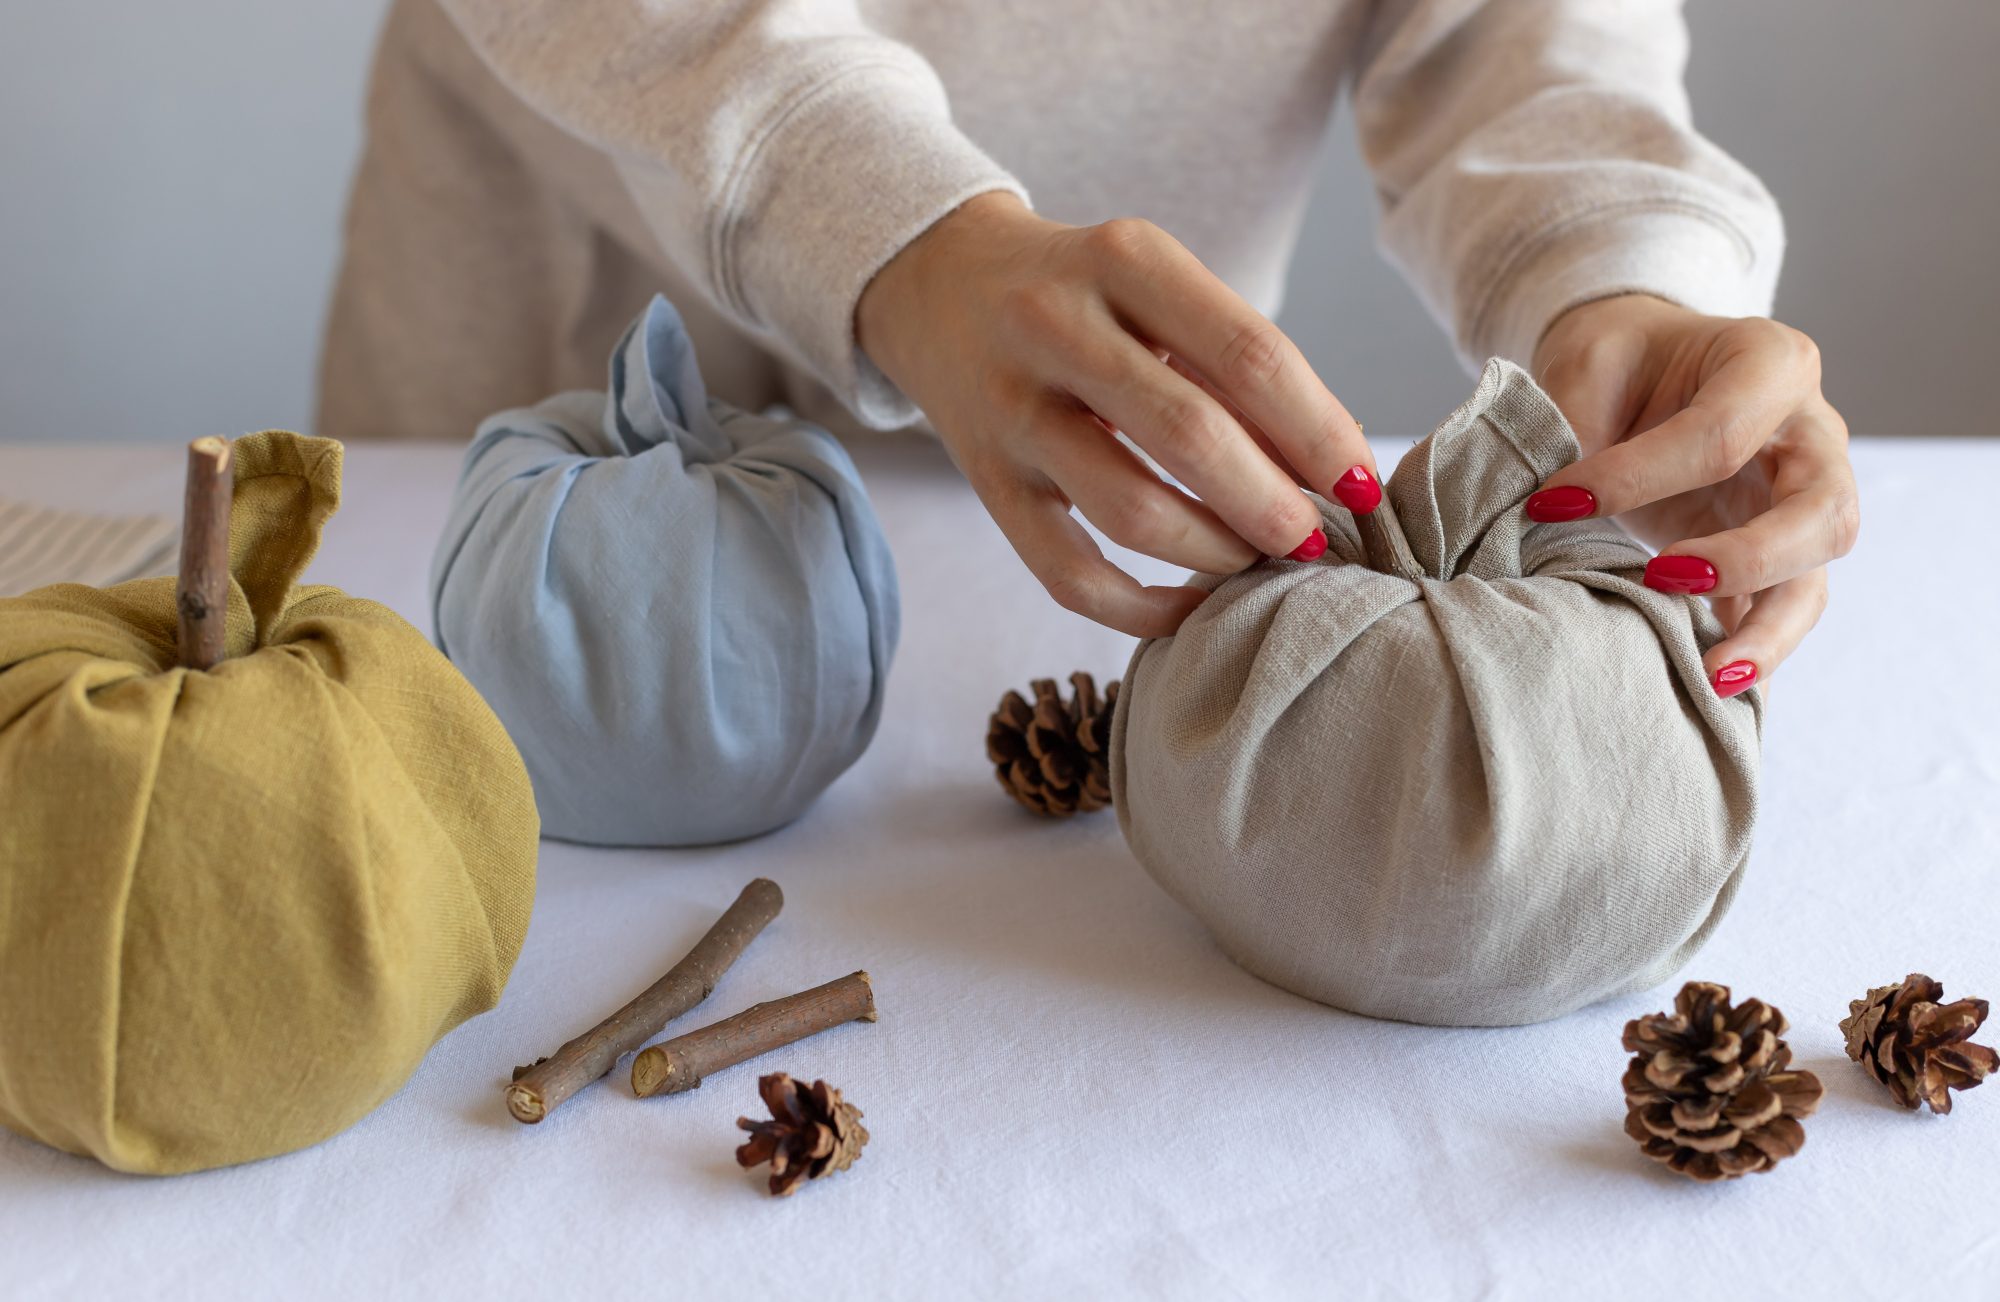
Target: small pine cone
[(1055, 758), (812, 1132), (1917, 1046), (1708, 1092)]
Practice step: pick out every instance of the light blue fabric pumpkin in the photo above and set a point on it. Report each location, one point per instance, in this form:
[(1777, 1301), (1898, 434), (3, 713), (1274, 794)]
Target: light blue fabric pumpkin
[(684, 613)]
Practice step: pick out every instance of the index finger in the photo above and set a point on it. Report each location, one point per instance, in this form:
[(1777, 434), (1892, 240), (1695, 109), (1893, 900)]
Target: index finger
[(1173, 300), (1735, 412), (1195, 440)]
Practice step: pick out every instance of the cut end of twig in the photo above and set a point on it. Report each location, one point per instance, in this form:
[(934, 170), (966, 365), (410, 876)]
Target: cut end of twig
[(652, 1073), (526, 1104), (869, 1014), (212, 449)]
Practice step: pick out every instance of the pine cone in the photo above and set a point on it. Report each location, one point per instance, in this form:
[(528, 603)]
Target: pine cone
[(812, 1132), (1055, 758), (1916, 1045), (1709, 1093)]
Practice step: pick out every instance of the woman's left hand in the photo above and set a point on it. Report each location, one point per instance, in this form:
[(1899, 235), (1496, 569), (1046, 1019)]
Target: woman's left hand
[(1710, 439)]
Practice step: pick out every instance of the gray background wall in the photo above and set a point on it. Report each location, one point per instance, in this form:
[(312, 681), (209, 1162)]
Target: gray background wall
[(171, 179)]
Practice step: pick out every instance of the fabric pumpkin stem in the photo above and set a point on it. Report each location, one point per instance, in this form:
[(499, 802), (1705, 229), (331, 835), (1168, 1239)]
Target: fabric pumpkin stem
[(201, 593)]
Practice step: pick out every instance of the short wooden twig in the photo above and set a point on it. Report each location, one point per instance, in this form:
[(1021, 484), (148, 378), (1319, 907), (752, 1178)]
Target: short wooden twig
[(201, 594), (536, 1091), (1382, 541), (681, 1063)]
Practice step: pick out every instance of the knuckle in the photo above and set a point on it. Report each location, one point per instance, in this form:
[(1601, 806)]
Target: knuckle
[(1715, 455), (1254, 357), (1286, 523), (1802, 351), (1751, 571), (1732, 439), (1075, 590), (1844, 520), (1122, 239), (1793, 346), (1190, 431), (1137, 521)]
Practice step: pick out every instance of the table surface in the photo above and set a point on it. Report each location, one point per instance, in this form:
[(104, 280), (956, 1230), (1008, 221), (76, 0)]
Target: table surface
[(1071, 1091)]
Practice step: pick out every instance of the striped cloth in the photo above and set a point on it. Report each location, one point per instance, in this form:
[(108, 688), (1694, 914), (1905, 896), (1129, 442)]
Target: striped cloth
[(40, 545)]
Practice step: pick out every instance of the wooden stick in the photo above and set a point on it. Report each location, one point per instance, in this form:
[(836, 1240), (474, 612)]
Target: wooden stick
[(201, 594), (537, 1091), (680, 1063), (1383, 542)]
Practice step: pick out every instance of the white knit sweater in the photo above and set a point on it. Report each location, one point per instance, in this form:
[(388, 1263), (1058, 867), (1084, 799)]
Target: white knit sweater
[(1528, 155)]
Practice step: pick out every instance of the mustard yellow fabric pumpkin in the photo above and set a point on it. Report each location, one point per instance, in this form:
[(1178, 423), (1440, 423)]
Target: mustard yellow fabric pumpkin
[(237, 907)]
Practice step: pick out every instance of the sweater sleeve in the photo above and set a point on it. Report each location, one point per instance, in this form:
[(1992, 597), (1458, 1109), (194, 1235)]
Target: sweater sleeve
[(1533, 155), (780, 150)]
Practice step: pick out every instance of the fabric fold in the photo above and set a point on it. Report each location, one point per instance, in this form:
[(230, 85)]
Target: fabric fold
[(1486, 795)]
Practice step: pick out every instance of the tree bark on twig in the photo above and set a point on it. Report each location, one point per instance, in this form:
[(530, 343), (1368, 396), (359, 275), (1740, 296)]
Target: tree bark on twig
[(538, 1090), (680, 1064), (201, 593), (1382, 541)]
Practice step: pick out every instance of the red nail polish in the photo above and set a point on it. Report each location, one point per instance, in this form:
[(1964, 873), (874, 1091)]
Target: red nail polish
[(1555, 505), (1689, 574), (1314, 544), (1357, 491), (1736, 676)]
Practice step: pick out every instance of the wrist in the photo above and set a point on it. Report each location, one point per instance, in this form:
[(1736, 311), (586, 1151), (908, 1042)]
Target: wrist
[(890, 316)]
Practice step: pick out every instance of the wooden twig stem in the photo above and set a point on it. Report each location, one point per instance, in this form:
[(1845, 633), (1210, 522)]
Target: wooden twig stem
[(538, 1090), (1383, 542), (680, 1064), (201, 594)]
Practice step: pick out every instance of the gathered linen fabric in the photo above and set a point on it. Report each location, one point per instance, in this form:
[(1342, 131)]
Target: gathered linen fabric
[(684, 613), (1487, 787), (238, 906)]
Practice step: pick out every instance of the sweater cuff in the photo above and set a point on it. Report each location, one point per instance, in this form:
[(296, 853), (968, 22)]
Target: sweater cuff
[(1689, 256), (854, 168)]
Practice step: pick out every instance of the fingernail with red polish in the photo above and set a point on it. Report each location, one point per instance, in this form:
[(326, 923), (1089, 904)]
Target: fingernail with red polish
[(1689, 574), (1736, 676), (1357, 491), (1555, 505), (1314, 544)]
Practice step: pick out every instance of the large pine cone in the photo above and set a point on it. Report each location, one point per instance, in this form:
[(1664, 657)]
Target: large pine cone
[(1708, 1092), (1916, 1045), (1055, 758), (812, 1132)]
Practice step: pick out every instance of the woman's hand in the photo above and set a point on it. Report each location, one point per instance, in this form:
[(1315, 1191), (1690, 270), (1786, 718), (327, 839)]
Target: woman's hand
[(1027, 342), (1710, 439)]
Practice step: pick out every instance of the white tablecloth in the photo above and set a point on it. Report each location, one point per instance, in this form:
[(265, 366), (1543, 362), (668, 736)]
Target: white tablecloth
[(1071, 1092)]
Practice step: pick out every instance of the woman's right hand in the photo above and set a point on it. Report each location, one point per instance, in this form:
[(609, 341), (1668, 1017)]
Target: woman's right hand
[(1027, 342)]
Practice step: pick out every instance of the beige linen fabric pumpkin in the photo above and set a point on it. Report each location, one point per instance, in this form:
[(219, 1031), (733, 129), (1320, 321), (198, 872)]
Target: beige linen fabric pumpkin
[(237, 907), (1486, 793)]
